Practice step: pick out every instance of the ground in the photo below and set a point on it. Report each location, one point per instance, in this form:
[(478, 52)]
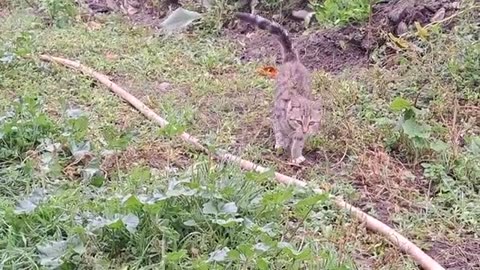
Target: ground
[(419, 174)]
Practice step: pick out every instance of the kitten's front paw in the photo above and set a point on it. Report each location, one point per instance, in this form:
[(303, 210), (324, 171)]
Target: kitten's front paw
[(298, 160)]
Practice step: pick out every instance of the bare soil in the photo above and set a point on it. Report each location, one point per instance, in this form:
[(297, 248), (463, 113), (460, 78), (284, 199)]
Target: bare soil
[(457, 256)]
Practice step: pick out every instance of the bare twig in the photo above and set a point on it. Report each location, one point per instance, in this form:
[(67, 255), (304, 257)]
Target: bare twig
[(425, 261)]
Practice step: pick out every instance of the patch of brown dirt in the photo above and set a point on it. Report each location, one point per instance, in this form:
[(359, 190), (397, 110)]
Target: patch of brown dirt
[(386, 185), (336, 49), (457, 256), (159, 155), (329, 50)]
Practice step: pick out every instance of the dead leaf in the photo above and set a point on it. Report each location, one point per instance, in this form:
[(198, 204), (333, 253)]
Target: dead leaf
[(268, 71), (421, 31), (400, 42)]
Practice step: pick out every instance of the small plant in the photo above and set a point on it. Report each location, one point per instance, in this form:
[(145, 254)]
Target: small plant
[(23, 128), (414, 134), (341, 12), (61, 12)]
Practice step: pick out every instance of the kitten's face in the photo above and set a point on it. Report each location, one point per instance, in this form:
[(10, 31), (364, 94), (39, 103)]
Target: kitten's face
[(304, 116)]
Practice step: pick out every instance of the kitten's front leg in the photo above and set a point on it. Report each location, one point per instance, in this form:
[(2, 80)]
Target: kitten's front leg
[(280, 141), (298, 142)]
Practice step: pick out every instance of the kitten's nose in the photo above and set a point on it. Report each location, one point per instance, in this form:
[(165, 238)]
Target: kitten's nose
[(305, 129)]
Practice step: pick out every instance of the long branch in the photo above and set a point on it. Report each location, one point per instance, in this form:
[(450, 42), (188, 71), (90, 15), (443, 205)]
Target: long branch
[(425, 261)]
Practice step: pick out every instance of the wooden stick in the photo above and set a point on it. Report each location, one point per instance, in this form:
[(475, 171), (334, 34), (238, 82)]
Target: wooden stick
[(425, 261)]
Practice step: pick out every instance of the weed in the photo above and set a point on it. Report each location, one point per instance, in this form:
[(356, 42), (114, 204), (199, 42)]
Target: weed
[(341, 12), (23, 128)]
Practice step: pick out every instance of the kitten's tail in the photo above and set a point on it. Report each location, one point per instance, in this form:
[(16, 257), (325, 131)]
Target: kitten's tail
[(289, 54)]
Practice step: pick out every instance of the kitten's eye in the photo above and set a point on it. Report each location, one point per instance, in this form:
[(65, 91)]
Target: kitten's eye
[(299, 122), (312, 123)]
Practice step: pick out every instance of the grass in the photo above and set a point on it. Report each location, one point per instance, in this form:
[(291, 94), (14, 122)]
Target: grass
[(87, 182), (338, 13)]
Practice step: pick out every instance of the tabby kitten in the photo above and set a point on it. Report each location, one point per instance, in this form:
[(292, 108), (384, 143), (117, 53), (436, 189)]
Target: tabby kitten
[(295, 114)]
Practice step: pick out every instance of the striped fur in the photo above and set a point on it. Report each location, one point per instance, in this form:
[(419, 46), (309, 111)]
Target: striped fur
[(295, 115), (274, 28)]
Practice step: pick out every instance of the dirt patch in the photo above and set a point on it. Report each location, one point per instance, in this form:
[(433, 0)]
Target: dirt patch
[(457, 256), (159, 155), (336, 49), (386, 185), (328, 50)]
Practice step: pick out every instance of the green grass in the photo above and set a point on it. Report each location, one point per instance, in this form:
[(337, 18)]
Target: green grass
[(334, 12), (67, 198)]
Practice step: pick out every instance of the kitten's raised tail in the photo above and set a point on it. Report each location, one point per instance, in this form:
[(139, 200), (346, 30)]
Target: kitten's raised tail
[(274, 28)]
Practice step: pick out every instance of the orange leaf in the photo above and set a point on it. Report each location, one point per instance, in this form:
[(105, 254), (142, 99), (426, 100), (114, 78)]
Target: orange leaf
[(268, 71)]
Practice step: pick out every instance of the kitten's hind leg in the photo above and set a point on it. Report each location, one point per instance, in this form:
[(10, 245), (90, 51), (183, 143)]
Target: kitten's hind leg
[(297, 148)]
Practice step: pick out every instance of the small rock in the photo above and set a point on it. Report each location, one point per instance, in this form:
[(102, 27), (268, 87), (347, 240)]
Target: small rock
[(439, 15), (398, 12), (301, 14), (401, 28), (164, 86)]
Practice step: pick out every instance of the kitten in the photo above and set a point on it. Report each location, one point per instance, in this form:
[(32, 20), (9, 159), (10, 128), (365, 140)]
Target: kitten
[(295, 114)]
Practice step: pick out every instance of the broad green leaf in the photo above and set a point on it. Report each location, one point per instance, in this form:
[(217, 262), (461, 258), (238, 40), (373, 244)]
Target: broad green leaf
[(140, 174), (269, 229), (227, 223), (399, 104), (262, 247), (179, 19), (246, 249), (97, 181), (277, 197), (234, 255), (439, 146), (474, 145), (312, 200), (116, 224), (29, 204), (229, 208), (131, 202), (77, 245), (209, 208), (180, 192), (260, 176), (131, 222), (190, 223), (413, 129), (283, 245), (262, 264), (51, 253), (25, 207), (176, 256), (219, 255), (305, 254), (303, 206)]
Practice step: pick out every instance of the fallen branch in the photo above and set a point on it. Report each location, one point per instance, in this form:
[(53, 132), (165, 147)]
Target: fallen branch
[(425, 261)]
